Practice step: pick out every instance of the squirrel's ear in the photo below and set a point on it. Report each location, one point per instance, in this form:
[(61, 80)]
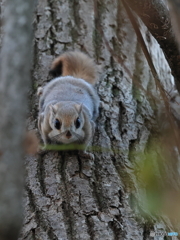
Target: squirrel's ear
[(39, 91), (56, 68), (53, 108), (78, 107)]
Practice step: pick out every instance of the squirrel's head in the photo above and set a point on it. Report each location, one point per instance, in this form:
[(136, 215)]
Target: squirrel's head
[(67, 122)]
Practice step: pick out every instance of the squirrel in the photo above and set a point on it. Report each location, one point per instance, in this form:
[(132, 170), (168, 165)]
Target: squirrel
[(68, 104)]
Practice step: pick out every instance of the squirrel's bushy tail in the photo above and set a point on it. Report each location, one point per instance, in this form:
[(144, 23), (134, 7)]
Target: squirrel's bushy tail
[(76, 64)]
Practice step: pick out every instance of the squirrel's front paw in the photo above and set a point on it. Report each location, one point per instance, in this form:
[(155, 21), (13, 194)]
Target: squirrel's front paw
[(85, 154)]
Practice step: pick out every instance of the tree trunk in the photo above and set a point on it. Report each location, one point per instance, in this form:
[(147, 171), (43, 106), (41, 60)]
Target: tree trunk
[(71, 198), (14, 85)]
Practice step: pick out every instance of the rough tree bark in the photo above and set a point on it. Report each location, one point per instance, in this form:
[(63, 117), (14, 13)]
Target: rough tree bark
[(14, 82), (71, 198)]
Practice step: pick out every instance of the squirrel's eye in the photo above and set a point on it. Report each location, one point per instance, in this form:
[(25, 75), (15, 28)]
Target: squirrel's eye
[(77, 123), (57, 124)]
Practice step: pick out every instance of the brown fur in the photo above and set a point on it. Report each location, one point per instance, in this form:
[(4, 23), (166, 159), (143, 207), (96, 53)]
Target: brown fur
[(76, 64)]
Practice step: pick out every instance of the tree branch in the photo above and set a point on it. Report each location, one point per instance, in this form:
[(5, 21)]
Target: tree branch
[(155, 15)]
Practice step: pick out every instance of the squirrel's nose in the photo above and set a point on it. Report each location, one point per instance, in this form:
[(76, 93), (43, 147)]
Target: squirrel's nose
[(68, 134)]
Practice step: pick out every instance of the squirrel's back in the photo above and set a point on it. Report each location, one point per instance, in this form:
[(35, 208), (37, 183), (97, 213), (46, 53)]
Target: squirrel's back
[(76, 64)]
